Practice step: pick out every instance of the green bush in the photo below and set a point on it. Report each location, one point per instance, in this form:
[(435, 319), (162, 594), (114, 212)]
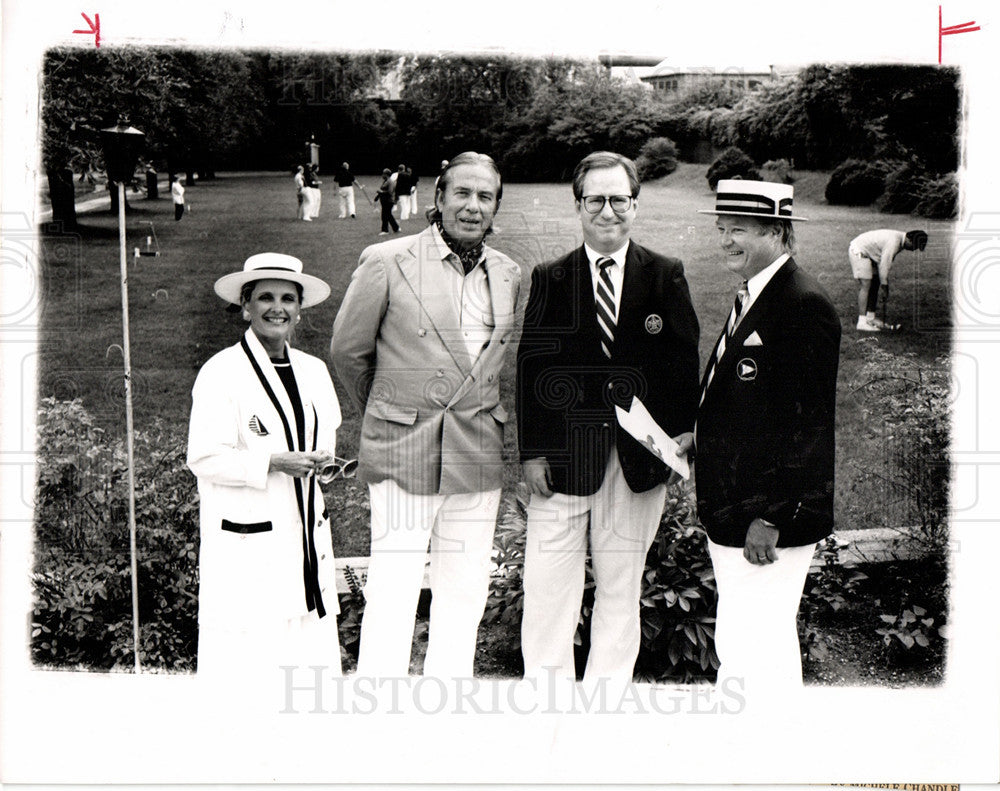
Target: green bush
[(856, 182), (778, 171), (940, 199), (82, 577), (657, 158), (731, 163)]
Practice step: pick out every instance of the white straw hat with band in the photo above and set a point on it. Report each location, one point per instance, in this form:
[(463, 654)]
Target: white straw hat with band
[(764, 200), (272, 266)]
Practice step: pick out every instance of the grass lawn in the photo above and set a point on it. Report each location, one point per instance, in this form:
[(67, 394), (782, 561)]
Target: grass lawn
[(178, 322)]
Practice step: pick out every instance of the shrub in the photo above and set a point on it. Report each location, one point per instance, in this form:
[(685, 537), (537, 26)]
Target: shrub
[(828, 590), (352, 609), (506, 599), (731, 163), (911, 401), (678, 599), (82, 578), (657, 157), (910, 635), (855, 182), (940, 200), (777, 170), (904, 188)]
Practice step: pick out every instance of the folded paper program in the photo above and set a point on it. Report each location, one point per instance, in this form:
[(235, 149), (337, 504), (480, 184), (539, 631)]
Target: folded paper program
[(640, 424)]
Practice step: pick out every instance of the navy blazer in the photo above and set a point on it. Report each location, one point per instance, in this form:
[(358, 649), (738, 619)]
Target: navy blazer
[(765, 438), (567, 388)]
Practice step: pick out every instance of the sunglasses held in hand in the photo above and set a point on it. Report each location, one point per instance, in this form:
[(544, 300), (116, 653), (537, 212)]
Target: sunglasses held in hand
[(337, 469)]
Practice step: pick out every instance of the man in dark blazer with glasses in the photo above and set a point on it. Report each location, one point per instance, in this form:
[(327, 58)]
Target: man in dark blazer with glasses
[(607, 322)]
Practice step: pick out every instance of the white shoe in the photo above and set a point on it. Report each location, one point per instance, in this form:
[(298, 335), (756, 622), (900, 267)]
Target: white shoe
[(383, 233), (866, 324)]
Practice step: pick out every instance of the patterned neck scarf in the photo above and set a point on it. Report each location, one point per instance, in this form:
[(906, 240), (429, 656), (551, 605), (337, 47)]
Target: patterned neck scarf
[(470, 257)]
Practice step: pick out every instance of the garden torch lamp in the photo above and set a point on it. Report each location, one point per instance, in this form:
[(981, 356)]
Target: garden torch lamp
[(122, 144)]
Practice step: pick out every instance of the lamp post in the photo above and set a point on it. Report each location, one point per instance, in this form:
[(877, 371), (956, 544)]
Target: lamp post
[(122, 144)]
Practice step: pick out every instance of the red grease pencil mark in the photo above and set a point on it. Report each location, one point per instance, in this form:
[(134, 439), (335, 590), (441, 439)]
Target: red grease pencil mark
[(95, 28), (951, 30)]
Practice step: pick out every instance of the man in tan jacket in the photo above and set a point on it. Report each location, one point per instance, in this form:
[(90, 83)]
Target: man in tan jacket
[(418, 343)]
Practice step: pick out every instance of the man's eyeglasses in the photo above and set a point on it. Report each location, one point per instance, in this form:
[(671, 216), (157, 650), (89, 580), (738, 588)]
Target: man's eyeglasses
[(338, 468), (594, 204)]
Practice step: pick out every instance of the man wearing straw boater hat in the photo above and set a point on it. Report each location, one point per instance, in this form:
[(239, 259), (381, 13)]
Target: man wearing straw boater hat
[(264, 422), (765, 435)]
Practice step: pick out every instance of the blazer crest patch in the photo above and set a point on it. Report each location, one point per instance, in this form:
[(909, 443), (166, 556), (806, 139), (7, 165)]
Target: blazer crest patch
[(746, 369), (257, 427)]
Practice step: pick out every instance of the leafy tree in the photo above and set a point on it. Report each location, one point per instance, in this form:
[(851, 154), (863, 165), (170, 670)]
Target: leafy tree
[(457, 104), (192, 106), (334, 97), (560, 127), (84, 91)]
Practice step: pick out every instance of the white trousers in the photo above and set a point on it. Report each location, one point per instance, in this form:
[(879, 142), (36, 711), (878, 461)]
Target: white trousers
[(459, 528), (755, 632), (621, 525), (404, 207), (311, 199), (346, 196)]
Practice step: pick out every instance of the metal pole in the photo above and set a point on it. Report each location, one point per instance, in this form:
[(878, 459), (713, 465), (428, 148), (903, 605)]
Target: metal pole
[(128, 427)]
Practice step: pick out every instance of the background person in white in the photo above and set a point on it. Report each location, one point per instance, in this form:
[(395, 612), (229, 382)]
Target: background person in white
[(264, 418), (345, 190), (590, 481), (872, 254), (419, 342)]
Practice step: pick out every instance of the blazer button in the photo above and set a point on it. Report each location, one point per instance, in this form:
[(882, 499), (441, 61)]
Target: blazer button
[(421, 332), (503, 340), (489, 378), (610, 386)]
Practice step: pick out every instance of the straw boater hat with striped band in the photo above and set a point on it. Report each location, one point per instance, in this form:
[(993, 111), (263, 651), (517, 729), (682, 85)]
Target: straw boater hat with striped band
[(764, 200), (272, 266)]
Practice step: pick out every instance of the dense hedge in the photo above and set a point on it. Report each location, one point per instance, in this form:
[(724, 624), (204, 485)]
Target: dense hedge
[(894, 187), (857, 182)]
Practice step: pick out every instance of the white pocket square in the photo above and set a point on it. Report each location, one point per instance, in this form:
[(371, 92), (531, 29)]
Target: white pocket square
[(753, 339)]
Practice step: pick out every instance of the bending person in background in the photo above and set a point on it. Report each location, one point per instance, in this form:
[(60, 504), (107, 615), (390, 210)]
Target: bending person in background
[(872, 254), (263, 421)]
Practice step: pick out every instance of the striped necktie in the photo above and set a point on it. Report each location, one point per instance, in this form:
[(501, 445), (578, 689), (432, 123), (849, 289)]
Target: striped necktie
[(606, 305), (742, 296)]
